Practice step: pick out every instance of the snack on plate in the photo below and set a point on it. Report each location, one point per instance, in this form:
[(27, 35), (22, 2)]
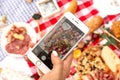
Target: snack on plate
[(10, 74), (90, 61), (77, 53), (115, 28), (94, 64), (18, 40), (94, 23), (101, 75)]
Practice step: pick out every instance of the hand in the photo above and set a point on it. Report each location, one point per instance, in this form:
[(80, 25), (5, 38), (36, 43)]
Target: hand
[(60, 68)]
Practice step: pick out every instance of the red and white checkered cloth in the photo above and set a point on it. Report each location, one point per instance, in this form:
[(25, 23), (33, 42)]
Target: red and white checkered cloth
[(85, 10)]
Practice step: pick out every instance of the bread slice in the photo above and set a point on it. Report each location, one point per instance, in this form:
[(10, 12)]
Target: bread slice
[(110, 58)]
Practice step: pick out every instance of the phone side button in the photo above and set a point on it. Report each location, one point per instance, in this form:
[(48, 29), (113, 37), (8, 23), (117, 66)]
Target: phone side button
[(38, 63)]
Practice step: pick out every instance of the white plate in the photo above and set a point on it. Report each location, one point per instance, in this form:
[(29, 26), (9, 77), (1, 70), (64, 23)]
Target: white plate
[(107, 7), (30, 31)]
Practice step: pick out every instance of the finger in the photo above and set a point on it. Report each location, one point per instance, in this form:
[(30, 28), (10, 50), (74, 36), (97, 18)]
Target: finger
[(68, 60), (56, 61), (67, 64)]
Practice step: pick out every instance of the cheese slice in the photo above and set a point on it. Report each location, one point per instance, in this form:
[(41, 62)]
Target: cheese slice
[(110, 58)]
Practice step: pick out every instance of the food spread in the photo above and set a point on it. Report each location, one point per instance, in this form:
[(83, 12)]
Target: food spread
[(95, 57), (91, 66), (98, 73), (90, 61)]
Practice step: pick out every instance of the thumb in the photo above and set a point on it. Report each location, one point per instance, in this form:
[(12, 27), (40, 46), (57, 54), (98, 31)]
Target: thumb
[(56, 61)]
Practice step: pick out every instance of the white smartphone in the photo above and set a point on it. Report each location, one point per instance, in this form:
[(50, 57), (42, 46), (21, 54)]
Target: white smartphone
[(63, 38)]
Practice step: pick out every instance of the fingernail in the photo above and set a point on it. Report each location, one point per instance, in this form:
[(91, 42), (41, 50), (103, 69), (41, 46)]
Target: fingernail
[(54, 53)]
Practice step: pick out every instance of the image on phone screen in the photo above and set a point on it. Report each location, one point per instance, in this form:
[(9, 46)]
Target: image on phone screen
[(61, 39)]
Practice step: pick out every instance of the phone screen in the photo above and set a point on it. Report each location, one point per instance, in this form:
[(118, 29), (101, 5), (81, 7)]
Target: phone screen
[(61, 39)]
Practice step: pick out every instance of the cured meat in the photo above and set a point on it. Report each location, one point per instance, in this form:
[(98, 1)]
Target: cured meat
[(18, 41)]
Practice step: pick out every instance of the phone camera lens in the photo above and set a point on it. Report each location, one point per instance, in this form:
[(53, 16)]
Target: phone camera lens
[(43, 58)]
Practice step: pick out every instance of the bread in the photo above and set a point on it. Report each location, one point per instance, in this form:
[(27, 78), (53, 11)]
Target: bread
[(94, 23), (115, 28), (72, 7), (110, 58)]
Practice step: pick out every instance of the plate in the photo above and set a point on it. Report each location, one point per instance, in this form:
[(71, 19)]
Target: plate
[(107, 7), (29, 30)]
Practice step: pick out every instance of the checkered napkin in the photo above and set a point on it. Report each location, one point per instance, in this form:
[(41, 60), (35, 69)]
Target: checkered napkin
[(2, 54), (85, 10), (17, 10)]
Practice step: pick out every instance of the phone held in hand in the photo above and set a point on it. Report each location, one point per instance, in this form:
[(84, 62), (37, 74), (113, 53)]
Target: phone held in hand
[(63, 38)]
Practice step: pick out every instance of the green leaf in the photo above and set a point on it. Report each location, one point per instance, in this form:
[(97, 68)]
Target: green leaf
[(103, 36), (107, 44), (112, 40), (109, 39), (108, 29)]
